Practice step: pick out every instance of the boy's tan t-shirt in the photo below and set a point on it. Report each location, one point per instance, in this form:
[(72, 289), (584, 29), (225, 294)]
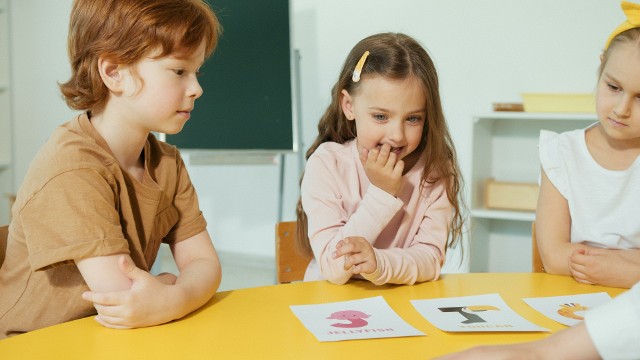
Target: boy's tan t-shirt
[(76, 203)]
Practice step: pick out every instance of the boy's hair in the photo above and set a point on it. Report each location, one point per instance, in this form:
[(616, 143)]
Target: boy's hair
[(631, 36), (124, 31), (395, 56)]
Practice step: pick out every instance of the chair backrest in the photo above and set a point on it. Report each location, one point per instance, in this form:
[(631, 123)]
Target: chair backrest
[(4, 234), (290, 263), (536, 261)]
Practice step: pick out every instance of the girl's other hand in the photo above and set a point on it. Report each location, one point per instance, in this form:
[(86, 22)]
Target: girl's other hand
[(359, 257), (383, 168), (608, 267)]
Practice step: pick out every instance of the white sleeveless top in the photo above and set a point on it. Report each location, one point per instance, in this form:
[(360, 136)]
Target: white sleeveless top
[(604, 204)]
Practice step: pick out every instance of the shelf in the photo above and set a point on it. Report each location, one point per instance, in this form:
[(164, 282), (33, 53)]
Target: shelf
[(506, 115), (503, 215), (505, 148)]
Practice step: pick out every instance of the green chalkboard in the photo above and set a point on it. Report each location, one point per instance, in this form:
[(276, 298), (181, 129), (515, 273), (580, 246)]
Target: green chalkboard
[(246, 103)]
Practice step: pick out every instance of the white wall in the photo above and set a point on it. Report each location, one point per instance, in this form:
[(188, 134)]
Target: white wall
[(485, 51)]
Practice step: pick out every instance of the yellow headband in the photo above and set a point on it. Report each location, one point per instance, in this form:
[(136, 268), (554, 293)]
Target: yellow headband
[(633, 20), (359, 66)]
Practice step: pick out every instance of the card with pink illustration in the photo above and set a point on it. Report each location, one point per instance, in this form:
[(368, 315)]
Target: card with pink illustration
[(478, 313), (568, 309), (368, 318)]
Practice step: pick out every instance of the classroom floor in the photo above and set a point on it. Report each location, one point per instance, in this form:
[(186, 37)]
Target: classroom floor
[(238, 270)]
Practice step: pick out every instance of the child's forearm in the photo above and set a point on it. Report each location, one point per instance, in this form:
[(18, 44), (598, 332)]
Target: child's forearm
[(196, 284), (332, 269), (406, 266), (556, 259), (573, 343)]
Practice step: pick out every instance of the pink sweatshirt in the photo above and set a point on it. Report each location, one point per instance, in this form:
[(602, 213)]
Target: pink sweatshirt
[(408, 232)]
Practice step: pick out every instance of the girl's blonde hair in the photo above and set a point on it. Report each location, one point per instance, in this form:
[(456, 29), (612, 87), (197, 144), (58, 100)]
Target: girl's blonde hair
[(631, 36), (124, 31), (395, 56)]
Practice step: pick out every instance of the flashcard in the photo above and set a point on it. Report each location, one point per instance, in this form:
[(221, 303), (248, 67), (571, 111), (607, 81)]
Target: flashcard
[(479, 313), (568, 309), (355, 319)]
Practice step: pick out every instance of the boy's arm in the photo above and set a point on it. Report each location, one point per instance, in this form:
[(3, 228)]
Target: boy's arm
[(148, 300), (553, 229), (200, 271)]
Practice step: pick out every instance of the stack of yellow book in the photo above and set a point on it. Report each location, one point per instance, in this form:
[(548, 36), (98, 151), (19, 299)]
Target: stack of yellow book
[(549, 102)]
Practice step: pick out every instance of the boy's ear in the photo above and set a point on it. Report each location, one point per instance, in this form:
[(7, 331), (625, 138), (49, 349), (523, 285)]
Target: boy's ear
[(112, 75), (346, 103)]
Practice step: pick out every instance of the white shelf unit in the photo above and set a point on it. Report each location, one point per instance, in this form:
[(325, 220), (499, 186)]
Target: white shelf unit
[(6, 168), (505, 147)]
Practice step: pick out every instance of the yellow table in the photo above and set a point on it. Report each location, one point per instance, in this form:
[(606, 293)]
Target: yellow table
[(257, 323)]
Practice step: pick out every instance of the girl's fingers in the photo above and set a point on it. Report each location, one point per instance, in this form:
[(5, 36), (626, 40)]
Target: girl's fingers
[(392, 159), (364, 155), (398, 168), (372, 156), (383, 155), (343, 250)]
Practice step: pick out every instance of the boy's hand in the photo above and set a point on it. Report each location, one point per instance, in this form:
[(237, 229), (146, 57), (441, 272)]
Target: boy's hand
[(167, 278), (145, 304), (359, 257), (383, 168)]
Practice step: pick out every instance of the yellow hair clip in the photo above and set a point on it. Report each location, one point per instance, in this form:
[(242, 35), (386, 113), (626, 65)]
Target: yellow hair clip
[(359, 66), (632, 11)]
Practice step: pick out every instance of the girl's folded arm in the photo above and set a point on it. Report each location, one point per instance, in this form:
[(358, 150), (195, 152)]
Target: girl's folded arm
[(553, 229), (423, 258), (328, 221)]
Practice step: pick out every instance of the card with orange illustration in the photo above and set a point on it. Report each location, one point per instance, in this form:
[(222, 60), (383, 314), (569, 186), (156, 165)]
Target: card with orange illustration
[(567, 309)]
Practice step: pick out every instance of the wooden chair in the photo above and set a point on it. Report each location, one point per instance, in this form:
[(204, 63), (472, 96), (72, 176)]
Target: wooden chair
[(290, 264), (536, 261), (4, 233)]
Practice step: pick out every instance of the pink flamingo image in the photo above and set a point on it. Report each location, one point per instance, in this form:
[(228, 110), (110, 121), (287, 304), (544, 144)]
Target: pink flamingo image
[(355, 318)]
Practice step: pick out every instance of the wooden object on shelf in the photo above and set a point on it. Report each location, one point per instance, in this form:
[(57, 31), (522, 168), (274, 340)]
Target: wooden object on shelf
[(290, 264), (499, 106), (510, 195)]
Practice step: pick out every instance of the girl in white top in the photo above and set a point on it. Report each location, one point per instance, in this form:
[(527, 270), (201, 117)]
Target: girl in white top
[(381, 185), (586, 219)]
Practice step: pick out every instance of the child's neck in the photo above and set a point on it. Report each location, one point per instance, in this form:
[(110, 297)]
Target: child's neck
[(610, 153), (126, 143)]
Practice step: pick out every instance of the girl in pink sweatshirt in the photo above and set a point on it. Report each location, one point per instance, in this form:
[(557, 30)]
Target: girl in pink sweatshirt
[(380, 193)]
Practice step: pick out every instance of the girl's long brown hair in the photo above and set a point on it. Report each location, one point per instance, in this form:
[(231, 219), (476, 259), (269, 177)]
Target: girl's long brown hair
[(395, 56)]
